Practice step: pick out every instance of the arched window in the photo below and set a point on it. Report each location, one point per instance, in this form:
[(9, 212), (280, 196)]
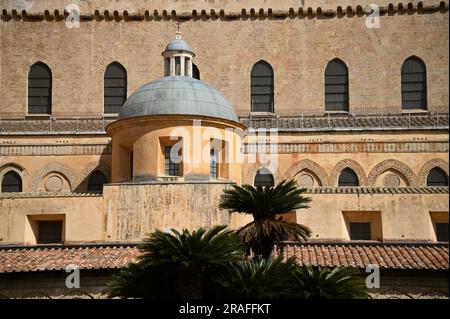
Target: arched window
[(264, 178), (195, 72), (96, 181), (262, 87), (40, 89), (414, 84), (348, 178), (115, 88), (336, 86), (437, 177), (11, 183)]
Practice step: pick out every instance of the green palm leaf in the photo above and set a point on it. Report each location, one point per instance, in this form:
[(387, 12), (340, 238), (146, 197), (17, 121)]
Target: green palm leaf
[(264, 204)]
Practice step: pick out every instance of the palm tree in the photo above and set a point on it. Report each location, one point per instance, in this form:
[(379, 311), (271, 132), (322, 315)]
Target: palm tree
[(264, 204), (258, 279), (178, 265), (329, 283)]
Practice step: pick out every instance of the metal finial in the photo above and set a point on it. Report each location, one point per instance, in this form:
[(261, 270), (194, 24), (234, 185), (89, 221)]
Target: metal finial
[(178, 33)]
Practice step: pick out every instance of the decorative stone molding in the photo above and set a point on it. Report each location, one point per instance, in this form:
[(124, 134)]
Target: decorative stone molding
[(54, 167), (40, 150), (54, 183), (425, 169), (391, 180), (311, 166), (250, 174), (305, 180), (393, 164), (356, 147), (215, 14), (340, 166), (5, 168)]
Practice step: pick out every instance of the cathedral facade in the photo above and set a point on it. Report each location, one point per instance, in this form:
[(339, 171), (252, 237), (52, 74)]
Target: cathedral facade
[(113, 123)]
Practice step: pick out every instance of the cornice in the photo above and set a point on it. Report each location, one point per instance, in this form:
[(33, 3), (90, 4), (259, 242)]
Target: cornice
[(401, 8)]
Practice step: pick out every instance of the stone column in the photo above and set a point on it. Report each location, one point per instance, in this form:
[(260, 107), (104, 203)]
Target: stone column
[(182, 65)]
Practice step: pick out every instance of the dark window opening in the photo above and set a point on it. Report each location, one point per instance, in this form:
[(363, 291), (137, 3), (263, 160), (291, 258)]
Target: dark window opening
[(171, 165), (360, 231), (50, 232), (131, 164), (262, 87), (264, 178), (442, 231), (11, 183), (414, 84), (348, 178), (437, 177), (336, 86), (213, 164), (96, 181), (166, 67), (115, 88), (40, 89), (195, 72)]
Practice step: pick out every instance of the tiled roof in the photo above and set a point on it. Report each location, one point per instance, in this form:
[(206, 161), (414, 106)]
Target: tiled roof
[(359, 255), (41, 258), (311, 190), (424, 256), (300, 123), (348, 122)]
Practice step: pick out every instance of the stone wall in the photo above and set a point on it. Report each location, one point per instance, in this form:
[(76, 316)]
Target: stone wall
[(298, 48), (132, 210)]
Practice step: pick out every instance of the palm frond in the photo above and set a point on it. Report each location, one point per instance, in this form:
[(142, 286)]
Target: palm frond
[(329, 283), (264, 202)]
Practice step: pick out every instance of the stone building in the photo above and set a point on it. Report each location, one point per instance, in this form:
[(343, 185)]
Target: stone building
[(349, 99)]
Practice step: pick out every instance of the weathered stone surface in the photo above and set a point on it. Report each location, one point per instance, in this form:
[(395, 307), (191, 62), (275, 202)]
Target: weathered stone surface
[(136, 209)]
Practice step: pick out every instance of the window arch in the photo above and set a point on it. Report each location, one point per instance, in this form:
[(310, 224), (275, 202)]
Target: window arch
[(115, 88), (348, 178), (195, 72), (11, 183), (96, 181), (40, 89), (336, 86), (262, 87), (414, 84), (264, 178), (437, 177)]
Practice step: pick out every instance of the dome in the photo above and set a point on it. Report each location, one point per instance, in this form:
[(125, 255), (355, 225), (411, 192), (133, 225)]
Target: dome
[(174, 95), (178, 45)]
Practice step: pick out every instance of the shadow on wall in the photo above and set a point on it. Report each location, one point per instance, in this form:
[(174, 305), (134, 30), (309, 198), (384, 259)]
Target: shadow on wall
[(95, 175)]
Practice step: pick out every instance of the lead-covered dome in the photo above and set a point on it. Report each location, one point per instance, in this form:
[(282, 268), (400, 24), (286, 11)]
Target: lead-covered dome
[(178, 45), (175, 95)]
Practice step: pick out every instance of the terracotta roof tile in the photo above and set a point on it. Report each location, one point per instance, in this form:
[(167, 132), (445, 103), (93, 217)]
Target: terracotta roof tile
[(425, 256)]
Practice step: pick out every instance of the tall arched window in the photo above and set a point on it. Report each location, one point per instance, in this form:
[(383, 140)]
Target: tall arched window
[(195, 72), (11, 183), (96, 181), (437, 177), (40, 89), (262, 87), (348, 178), (264, 178), (115, 88), (336, 86), (414, 84)]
